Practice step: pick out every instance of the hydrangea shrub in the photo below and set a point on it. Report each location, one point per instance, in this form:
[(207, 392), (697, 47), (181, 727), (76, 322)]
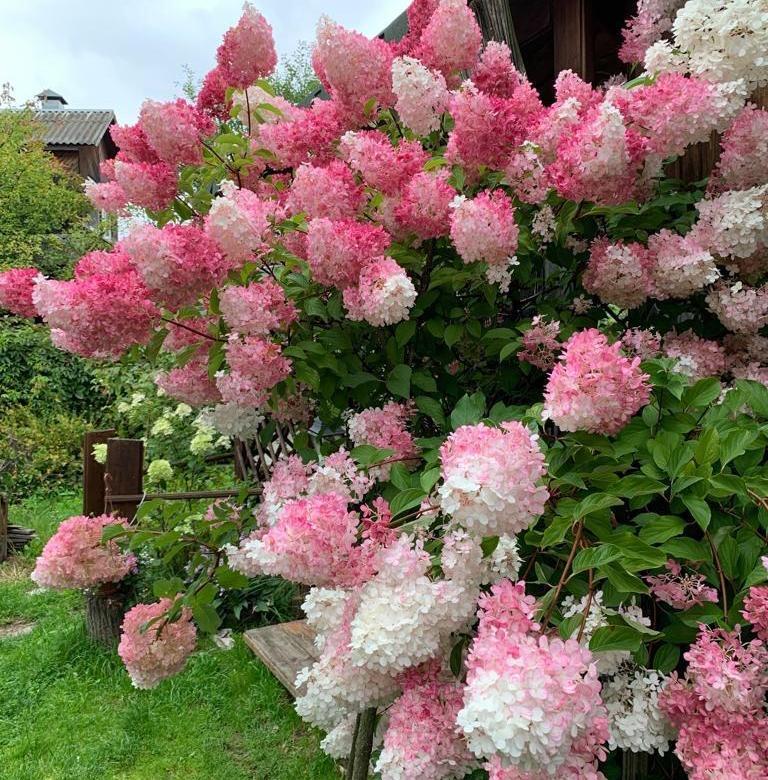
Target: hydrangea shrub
[(510, 379)]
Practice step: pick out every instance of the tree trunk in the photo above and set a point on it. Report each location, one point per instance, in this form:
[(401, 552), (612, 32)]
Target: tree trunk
[(104, 611)]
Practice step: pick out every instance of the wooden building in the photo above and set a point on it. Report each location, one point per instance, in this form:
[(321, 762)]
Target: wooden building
[(78, 137)]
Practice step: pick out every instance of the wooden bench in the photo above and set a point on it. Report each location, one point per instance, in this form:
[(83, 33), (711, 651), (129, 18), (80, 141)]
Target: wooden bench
[(285, 649)]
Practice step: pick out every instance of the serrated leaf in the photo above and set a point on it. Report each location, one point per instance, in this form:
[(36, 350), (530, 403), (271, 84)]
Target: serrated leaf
[(429, 479), (555, 532), (468, 411), (622, 580), (407, 499), (611, 638), (453, 333), (666, 658), (662, 528), (595, 502), (206, 617)]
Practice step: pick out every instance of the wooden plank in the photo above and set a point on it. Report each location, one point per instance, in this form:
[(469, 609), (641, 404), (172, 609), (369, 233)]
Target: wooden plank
[(497, 23), (3, 528), (125, 464), (285, 649), (93, 472), (571, 21)]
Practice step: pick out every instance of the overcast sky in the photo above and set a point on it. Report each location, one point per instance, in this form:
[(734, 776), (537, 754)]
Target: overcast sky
[(108, 54)]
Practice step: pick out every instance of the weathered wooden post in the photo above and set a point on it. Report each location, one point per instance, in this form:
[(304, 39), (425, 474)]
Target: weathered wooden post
[(3, 528), (362, 745), (93, 472), (121, 476)]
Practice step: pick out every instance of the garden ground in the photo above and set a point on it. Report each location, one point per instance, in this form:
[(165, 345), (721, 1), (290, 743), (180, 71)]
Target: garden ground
[(68, 711)]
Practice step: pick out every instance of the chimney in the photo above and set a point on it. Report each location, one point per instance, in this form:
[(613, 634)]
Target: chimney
[(50, 100)]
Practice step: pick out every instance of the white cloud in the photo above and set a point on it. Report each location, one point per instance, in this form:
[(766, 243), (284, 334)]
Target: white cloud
[(113, 55)]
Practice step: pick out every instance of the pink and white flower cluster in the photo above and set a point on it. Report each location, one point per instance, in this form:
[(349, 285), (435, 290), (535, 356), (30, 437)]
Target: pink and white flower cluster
[(76, 557), (151, 646)]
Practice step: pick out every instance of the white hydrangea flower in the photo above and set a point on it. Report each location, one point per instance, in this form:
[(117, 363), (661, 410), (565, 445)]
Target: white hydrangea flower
[(634, 719)]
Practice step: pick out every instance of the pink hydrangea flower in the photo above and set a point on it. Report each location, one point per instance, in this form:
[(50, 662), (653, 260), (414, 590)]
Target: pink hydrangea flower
[(756, 610), (308, 137), (594, 387), (313, 541), (101, 312), (151, 186), (106, 196), (338, 250), (421, 741), (384, 294), (679, 266), (382, 166), (619, 273), (212, 97), (495, 73), (696, 357), (599, 159), (425, 205), (178, 263), (637, 342), (75, 557), (740, 308), (487, 129), (532, 701), (681, 591), (385, 427), (648, 25), (239, 222), (743, 159), (247, 52), (133, 144), (540, 344), (257, 309), (421, 95), (329, 192), (718, 707), (451, 40), (190, 384), (151, 654), (526, 175), (174, 130), (484, 230), (491, 478), (255, 367), (356, 69), (676, 111), (16, 286)]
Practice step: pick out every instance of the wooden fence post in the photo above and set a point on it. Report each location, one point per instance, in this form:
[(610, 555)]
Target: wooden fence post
[(93, 473), (3, 528), (125, 464)]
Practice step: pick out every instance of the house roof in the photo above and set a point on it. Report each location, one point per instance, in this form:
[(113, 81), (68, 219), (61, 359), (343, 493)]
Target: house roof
[(75, 126)]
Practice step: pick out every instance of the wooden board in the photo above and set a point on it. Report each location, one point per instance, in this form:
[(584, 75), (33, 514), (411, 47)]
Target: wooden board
[(285, 649)]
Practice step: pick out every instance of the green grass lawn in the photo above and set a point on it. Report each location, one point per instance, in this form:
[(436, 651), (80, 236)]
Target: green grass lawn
[(68, 711)]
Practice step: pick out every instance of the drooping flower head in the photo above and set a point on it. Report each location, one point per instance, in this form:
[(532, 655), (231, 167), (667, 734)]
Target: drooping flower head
[(75, 557), (594, 387), (153, 652)]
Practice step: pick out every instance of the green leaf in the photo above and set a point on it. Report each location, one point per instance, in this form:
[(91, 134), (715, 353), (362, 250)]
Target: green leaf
[(468, 411), (595, 502), (453, 333), (637, 485), (113, 531), (424, 381), (429, 479), (666, 658), (707, 447), (431, 408), (688, 549), (228, 578), (367, 454), (661, 528), (615, 638), (167, 588), (206, 617), (404, 332), (700, 510), (407, 499), (593, 557), (457, 655), (555, 532), (399, 381), (702, 393), (734, 444), (359, 378), (622, 580)]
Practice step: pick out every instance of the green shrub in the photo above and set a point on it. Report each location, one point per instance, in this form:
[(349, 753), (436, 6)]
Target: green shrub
[(33, 373), (39, 454)]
